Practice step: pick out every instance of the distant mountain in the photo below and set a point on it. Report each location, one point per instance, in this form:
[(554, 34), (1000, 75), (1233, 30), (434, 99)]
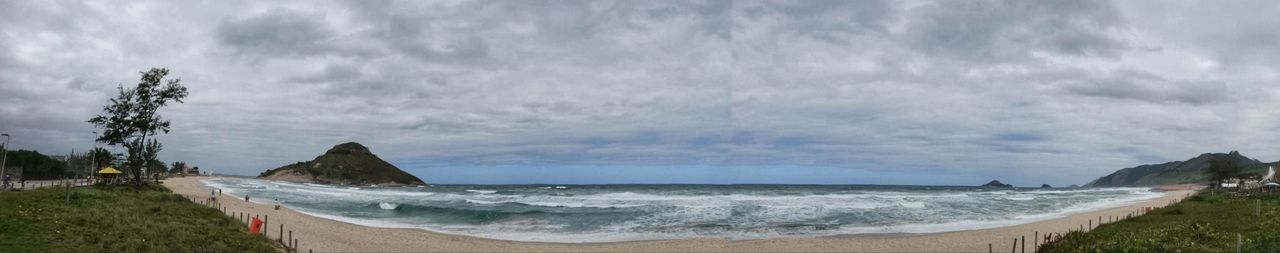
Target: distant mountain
[(348, 163), (1190, 171)]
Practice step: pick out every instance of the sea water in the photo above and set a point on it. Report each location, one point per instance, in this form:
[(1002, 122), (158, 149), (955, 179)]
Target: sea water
[(599, 213)]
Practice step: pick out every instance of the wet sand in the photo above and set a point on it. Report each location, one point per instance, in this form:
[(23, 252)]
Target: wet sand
[(326, 235)]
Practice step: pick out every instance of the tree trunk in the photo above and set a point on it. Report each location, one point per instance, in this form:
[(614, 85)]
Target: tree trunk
[(142, 150)]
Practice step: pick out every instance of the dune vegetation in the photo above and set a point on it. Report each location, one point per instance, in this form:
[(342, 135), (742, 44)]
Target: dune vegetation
[(148, 218), (1206, 222)]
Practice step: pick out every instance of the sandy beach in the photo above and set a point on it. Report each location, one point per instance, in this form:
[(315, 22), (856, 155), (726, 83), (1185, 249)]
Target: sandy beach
[(325, 235)]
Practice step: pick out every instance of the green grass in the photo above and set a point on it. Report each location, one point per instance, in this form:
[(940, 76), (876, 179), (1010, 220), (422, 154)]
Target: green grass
[(118, 219), (1206, 222)]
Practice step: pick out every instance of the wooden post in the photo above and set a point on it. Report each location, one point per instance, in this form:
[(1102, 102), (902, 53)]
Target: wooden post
[(1035, 241), (280, 239), (989, 249), (1024, 244), (265, 218), (291, 236), (1090, 223), (1014, 249)]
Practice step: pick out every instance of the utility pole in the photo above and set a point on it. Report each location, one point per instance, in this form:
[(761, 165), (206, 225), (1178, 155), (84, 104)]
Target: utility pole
[(5, 159)]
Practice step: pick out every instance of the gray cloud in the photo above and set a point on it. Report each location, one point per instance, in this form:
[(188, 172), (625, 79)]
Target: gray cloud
[(277, 33), (950, 87), (1011, 30), (1151, 88), (1039, 91)]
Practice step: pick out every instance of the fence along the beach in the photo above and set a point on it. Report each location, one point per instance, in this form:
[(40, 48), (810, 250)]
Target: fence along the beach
[(1111, 219), (290, 246)]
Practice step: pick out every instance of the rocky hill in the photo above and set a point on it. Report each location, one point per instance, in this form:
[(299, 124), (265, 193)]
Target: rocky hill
[(348, 163), (996, 183), (1178, 172)]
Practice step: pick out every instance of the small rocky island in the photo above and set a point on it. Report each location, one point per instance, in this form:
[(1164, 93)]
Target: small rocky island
[(348, 163), (997, 183)]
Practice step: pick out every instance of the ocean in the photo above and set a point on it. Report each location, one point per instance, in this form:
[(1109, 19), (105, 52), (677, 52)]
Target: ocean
[(603, 213)]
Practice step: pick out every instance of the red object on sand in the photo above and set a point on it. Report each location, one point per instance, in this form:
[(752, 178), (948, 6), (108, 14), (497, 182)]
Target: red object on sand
[(255, 227)]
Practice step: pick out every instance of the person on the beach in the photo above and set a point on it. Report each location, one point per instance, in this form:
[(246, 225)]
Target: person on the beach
[(6, 182)]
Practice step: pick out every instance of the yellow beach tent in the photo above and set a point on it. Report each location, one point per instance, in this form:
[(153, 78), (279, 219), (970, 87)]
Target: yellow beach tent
[(109, 170), (107, 175)]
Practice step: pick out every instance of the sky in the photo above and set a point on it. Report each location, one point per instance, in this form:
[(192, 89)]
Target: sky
[(831, 92)]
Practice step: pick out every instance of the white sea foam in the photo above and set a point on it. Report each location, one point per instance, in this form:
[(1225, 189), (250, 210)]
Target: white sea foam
[(482, 202), (640, 213), (570, 204), (318, 185)]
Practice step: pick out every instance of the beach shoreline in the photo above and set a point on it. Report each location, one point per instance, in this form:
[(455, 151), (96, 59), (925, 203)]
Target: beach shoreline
[(329, 235)]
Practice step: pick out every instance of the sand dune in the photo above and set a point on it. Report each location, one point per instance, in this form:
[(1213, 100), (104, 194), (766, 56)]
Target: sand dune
[(325, 235)]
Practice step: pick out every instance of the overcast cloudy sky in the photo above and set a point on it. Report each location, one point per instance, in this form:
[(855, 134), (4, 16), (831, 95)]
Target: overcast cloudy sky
[(897, 92)]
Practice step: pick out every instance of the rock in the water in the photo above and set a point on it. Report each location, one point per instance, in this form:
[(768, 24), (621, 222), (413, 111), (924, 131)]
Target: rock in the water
[(1045, 186), (348, 163), (996, 183)]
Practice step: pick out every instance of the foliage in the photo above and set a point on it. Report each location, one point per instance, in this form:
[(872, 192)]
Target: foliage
[(140, 219), (156, 167), (177, 167), (1221, 169), (79, 164), (102, 158), (1206, 222), (133, 116), (35, 165)]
